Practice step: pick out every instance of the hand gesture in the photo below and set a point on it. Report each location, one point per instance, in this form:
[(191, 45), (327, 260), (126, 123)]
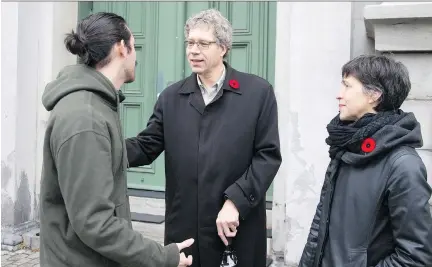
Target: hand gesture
[(183, 260), (227, 221)]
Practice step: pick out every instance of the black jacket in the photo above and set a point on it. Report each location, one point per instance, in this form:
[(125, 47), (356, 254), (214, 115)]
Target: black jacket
[(227, 148), (374, 211)]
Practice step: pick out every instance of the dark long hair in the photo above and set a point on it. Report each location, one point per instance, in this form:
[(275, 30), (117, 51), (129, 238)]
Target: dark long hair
[(95, 36)]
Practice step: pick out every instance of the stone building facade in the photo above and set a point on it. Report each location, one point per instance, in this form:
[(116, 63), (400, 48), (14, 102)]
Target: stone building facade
[(313, 41)]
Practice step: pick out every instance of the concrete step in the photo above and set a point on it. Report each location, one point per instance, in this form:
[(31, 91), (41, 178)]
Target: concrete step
[(150, 230), (148, 217), (152, 210)]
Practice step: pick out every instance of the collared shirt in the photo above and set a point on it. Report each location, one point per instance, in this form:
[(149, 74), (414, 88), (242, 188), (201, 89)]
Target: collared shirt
[(210, 93)]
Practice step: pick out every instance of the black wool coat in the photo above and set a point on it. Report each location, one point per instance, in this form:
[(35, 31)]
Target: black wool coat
[(227, 149)]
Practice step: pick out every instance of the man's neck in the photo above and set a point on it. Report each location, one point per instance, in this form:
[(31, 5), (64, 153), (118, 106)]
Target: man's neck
[(209, 79), (113, 76)]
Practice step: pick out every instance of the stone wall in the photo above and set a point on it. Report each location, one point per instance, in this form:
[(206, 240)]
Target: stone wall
[(32, 54), (313, 41), (404, 31)]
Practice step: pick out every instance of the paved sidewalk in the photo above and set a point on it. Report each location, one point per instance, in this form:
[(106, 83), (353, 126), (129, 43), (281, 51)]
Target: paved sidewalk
[(21, 258), (28, 258)]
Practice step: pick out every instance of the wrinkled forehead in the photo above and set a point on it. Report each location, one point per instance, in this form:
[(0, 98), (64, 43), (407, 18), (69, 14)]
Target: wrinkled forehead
[(201, 31)]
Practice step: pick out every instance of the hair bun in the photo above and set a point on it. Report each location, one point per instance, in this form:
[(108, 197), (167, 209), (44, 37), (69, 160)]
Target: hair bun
[(74, 44)]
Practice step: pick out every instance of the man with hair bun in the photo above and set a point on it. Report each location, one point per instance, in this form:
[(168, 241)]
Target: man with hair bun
[(219, 130), (85, 216)]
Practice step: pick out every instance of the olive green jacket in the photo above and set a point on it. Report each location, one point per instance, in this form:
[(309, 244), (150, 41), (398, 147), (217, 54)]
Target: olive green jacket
[(84, 210)]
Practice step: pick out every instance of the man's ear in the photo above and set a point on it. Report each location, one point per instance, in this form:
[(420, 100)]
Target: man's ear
[(120, 48), (224, 50)]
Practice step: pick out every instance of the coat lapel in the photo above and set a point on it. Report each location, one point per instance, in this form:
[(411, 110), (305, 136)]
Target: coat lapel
[(190, 87), (230, 75), (197, 101)]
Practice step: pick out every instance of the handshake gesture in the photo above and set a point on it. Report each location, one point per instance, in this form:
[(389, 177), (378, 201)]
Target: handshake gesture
[(183, 260)]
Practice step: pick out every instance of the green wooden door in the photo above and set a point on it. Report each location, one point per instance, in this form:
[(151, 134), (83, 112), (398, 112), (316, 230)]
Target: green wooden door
[(142, 93), (158, 31)]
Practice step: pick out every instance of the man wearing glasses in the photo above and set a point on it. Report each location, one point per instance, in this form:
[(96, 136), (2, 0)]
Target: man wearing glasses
[(219, 130)]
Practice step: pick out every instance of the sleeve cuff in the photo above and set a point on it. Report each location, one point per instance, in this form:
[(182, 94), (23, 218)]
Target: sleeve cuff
[(172, 255), (237, 196)]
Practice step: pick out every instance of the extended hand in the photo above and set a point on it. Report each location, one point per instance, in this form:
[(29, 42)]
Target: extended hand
[(183, 260), (227, 221)]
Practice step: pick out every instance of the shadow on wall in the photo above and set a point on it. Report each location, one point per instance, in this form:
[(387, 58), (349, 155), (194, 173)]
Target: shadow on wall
[(18, 212), (6, 201)]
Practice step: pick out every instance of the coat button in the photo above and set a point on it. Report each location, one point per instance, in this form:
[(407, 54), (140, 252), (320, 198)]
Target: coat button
[(251, 197)]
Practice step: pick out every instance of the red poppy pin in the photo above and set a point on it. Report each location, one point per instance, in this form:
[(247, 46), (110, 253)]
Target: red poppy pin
[(368, 145), (234, 84)]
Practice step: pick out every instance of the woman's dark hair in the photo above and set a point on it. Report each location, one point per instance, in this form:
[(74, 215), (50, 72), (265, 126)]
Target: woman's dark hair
[(95, 36), (381, 74)]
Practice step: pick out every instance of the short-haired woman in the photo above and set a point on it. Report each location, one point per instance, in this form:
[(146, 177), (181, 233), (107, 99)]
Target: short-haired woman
[(373, 208)]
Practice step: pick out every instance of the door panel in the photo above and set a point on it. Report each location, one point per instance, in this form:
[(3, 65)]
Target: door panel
[(141, 94), (158, 29)]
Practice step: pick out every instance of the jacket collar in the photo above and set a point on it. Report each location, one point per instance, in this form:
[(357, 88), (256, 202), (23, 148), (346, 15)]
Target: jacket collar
[(191, 85)]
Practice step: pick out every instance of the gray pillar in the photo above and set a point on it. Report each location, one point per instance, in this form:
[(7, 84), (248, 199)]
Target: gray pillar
[(33, 51), (313, 42)]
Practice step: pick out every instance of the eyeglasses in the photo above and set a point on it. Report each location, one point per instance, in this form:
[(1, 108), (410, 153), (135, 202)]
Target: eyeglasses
[(200, 44)]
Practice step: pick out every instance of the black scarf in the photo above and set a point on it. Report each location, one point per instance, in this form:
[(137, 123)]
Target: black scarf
[(348, 136)]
